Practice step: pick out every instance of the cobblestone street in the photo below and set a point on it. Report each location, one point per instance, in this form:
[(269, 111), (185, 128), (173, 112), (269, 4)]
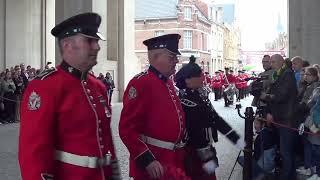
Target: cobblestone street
[(227, 153)]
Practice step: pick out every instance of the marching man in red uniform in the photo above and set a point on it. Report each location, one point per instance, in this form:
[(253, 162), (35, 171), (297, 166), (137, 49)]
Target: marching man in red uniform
[(152, 122), (65, 116), (216, 84)]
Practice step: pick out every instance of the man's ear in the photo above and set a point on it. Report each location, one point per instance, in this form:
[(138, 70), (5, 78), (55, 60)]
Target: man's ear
[(187, 81)]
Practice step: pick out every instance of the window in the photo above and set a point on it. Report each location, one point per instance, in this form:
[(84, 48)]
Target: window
[(203, 41), (187, 13), (187, 40), (158, 33)]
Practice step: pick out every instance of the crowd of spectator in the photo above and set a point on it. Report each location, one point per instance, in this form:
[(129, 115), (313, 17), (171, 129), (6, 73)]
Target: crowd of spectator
[(12, 83), (14, 80), (288, 119)]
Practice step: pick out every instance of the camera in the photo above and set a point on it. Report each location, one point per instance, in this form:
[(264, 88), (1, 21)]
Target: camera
[(257, 85)]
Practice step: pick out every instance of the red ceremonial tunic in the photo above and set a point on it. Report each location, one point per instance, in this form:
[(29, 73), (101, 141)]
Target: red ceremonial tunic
[(151, 108), (64, 110), (216, 82)]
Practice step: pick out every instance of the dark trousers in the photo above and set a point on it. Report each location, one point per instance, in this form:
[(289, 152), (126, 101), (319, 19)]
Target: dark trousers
[(287, 143), (110, 91), (9, 106), (217, 93), (226, 100)]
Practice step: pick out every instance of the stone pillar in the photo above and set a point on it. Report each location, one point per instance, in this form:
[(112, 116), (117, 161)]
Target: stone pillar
[(122, 61), (121, 41), (65, 9), (22, 32), (304, 29), (2, 34), (129, 65), (48, 24)]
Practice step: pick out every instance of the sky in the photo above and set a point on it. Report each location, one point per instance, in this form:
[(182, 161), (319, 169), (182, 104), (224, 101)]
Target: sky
[(258, 20)]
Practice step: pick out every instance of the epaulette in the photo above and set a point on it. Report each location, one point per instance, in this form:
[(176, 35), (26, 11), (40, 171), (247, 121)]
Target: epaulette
[(140, 74), (45, 73)]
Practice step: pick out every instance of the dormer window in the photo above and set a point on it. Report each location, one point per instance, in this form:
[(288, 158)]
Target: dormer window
[(188, 13)]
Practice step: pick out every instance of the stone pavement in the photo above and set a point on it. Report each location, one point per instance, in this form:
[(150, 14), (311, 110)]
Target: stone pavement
[(227, 153)]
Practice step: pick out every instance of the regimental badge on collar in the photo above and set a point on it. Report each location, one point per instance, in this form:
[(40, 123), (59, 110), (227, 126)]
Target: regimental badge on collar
[(132, 93), (34, 101), (70, 69)]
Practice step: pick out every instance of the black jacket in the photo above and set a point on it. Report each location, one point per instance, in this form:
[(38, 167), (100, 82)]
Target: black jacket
[(282, 98), (202, 121)]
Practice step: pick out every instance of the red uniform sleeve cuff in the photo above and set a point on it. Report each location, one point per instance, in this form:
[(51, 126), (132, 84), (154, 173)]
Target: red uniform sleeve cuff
[(145, 159)]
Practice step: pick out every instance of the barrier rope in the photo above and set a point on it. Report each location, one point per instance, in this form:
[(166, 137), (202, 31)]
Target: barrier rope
[(7, 99), (301, 130)]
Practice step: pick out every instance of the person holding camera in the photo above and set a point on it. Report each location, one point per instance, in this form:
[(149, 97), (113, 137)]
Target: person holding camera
[(281, 101), (265, 79)]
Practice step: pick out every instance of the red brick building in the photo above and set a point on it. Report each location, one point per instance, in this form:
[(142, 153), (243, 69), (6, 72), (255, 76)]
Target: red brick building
[(189, 18)]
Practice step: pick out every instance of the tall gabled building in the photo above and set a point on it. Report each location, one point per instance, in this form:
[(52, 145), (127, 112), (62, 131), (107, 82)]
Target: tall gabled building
[(189, 18)]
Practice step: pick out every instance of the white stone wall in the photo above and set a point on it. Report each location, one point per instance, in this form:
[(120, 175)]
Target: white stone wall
[(23, 33), (304, 29), (49, 24), (132, 65), (2, 34)]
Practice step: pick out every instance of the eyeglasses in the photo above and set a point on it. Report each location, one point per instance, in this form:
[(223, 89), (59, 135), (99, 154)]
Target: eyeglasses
[(307, 74), (173, 56)]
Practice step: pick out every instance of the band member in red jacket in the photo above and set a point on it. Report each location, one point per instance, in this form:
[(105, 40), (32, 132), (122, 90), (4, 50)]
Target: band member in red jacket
[(152, 124), (216, 84), (230, 89), (65, 115), (240, 85)]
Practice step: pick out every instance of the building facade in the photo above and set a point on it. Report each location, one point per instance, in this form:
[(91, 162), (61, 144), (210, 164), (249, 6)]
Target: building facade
[(189, 18), (232, 48)]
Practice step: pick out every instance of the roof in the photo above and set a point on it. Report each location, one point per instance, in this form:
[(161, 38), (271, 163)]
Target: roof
[(149, 9)]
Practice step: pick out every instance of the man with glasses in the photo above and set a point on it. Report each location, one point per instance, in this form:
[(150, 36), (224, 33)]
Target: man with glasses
[(152, 123)]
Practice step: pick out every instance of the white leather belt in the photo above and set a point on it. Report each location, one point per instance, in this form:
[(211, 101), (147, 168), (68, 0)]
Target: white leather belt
[(83, 161), (161, 144)]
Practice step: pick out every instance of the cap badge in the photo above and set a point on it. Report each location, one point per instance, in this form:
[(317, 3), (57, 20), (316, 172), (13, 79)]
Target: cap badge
[(34, 101), (132, 93)]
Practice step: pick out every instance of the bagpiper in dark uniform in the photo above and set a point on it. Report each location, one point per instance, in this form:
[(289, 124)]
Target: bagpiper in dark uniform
[(202, 123)]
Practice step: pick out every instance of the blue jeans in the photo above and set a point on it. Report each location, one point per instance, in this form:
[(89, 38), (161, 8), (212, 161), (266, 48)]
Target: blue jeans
[(315, 153), (287, 143), (307, 150), (256, 170), (267, 160)]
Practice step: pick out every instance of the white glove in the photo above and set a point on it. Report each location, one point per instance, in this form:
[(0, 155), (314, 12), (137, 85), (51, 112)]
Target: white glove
[(240, 143), (314, 129), (301, 129), (209, 167)]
